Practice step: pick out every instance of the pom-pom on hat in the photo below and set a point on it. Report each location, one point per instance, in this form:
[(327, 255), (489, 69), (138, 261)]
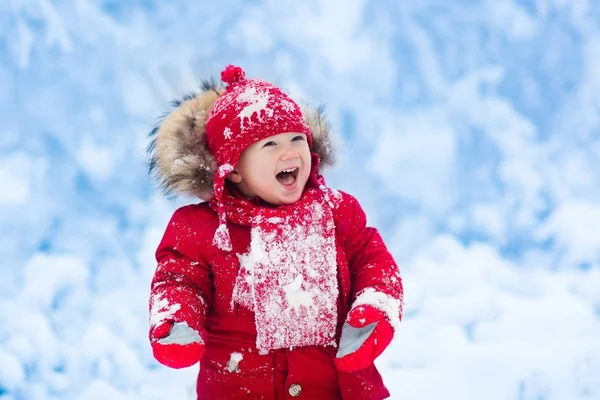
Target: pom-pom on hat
[(248, 111)]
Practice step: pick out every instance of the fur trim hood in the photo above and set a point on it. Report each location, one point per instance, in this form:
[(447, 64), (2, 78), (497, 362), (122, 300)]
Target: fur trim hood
[(179, 159)]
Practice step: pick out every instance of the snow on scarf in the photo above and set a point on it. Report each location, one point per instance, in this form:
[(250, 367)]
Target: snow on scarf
[(288, 278)]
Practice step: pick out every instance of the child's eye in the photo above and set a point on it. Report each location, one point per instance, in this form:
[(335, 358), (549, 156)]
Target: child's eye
[(271, 143), (296, 138)]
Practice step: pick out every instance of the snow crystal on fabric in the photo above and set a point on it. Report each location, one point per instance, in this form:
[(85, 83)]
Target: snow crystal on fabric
[(288, 278), (233, 365), (222, 239), (389, 305), (161, 310), (236, 356), (332, 196), (225, 169)]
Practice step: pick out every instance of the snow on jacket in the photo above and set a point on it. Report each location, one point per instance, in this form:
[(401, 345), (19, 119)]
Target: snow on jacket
[(192, 271), (194, 280)]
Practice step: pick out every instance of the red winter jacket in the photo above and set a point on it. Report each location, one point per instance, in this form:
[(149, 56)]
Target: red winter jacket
[(196, 279)]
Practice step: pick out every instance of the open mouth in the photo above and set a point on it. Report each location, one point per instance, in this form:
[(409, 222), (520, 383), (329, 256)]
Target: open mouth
[(288, 176)]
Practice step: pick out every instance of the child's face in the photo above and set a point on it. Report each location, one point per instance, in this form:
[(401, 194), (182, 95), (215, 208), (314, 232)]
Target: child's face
[(275, 169)]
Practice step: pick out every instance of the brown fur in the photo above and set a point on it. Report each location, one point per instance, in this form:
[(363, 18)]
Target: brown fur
[(179, 157)]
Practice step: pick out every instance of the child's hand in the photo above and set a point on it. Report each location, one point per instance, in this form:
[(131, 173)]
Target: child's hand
[(365, 335), (176, 345)]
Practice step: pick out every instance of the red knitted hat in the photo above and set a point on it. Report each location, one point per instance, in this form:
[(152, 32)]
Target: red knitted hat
[(250, 110)]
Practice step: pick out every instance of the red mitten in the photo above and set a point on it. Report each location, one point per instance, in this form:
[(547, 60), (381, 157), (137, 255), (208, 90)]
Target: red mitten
[(365, 335), (176, 345)]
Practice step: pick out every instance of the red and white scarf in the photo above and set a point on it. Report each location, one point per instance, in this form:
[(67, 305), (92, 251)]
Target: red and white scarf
[(288, 277)]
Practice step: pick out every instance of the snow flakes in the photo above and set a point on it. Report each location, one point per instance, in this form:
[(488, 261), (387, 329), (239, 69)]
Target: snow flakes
[(297, 297), (222, 239), (161, 310), (233, 365), (387, 304), (288, 105), (237, 357), (332, 196), (225, 169), (288, 278)]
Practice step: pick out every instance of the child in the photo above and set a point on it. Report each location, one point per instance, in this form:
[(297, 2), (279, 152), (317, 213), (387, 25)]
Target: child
[(275, 283)]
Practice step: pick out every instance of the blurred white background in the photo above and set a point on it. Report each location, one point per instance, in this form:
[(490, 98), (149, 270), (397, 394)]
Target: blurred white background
[(469, 130)]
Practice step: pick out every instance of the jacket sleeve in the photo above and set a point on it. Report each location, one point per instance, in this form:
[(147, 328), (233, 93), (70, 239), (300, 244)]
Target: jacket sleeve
[(181, 289), (375, 276)]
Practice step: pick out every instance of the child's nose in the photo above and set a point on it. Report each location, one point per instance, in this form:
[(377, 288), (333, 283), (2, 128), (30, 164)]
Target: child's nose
[(289, 154)]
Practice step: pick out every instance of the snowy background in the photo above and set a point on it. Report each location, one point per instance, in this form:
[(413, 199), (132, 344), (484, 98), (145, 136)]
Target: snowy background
[(469, 130)]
